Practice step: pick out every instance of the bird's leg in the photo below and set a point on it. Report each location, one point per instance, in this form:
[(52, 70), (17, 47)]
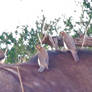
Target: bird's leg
[(41, 69)]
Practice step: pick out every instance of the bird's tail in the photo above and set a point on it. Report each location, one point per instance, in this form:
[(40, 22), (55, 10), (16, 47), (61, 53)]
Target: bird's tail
[(75, 55)]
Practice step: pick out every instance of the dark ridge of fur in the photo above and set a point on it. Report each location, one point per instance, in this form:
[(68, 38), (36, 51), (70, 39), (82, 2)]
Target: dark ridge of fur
[(2, 57), (81, 52)]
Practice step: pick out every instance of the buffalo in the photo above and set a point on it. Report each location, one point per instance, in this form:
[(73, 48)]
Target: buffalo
[(63, 75)]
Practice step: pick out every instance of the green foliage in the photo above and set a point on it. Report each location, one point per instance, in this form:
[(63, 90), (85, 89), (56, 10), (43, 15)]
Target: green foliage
[(89, 33), (49, 26), (68, 24), (12, 56), (79, 27), (24, 46)]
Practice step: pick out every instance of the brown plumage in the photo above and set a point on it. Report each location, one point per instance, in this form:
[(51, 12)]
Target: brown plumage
[(43, 58), (70, 45)]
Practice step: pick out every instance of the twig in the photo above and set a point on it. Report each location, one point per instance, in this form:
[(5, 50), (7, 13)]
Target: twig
[(42, 26), (21, 83), (85, 34), (84, 38), (39, 39)]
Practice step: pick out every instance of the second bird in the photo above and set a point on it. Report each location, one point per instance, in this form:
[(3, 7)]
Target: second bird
[(70, 45)]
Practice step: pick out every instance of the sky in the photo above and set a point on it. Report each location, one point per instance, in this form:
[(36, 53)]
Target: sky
[(21, 12)]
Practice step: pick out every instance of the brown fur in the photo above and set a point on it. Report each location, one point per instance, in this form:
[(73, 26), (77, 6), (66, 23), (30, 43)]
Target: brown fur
[(64, 74), (1, 54)]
